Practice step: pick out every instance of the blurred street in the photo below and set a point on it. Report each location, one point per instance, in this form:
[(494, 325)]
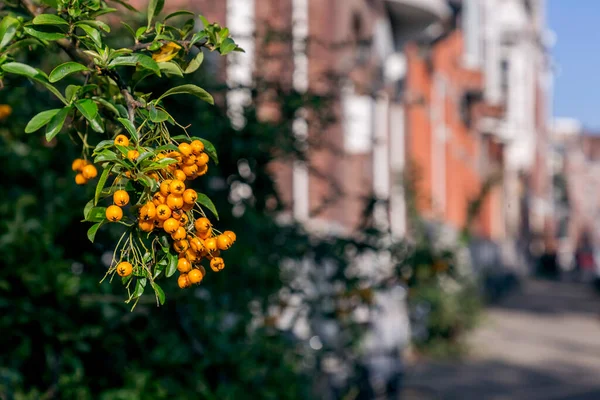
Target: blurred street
[(541, 342)]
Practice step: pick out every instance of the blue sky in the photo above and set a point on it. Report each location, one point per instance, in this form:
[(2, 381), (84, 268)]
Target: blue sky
[(577, 55)]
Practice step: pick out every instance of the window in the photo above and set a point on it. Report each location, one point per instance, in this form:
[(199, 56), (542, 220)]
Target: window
[(472, 33), (504, 77)]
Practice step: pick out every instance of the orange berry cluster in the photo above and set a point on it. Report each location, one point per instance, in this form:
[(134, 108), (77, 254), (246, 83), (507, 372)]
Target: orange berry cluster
[(171, 209), (85, 171)]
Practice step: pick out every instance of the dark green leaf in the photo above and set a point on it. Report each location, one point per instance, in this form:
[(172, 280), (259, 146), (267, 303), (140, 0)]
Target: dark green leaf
[(195, 63), (88, 108), (157, 115), (139, 287), (101, 183), (65, 69), (103, 144), (160, 267), (40, 120), (144, 156), (28, 42), (170, 147), (154, 8), (71, 92), (189, 89), (44, 35), (206, 202), (227, 46), (97, 124), (129, 28), (130, 128), (21, 69), (198, 36), (8, 29), (93, 34), (124, 150), (49, 19), (105, 155), (172, 266), (56, 123), (108, 105), (91, 233), (96, 214), (170, 68), (177, 13), (97, 24), (160, 295), (86, 210), (135, 60)]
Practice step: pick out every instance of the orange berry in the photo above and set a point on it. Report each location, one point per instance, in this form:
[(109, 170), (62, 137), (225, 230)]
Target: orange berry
[(191, 255), (164, 187), (195, 276), (114, 213), (211, 244), (202, 160), (163, 212), (181, 246), (80, 179), (177, 214), (89, 172), (185, 149), (217, 264), (202, 224), (124, 268), (158, 223), (148, 211), (179, 175), (159, 199), (146, 226), (224, 242), (184, 220), (187, 207), (231, 235), (197, 147), (205, 235), (183, 265), (171, 225), (189, 160), (122, 140), (179, 233), (190, 196), (121, 198), (177, 187), (133, 155), (203, 170), (78, 164), (183, 281), (197, 244), (190, 171), (175, 202)]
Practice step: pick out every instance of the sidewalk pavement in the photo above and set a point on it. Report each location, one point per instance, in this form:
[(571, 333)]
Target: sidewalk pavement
[(540, 343)]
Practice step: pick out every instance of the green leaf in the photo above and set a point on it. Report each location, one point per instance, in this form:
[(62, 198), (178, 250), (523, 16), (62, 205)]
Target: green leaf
[(130, 128), (21, 69), (160, 295), (140, 31), (93, 34), (227, 46), (71, 91), (88, 108), (8, 29), (56, 123), (49, 19), (96, 24), (157, 115), (160, 267), (30, 42), (106, 155), (177, 13), (44, 35), (40, 120), (189, 89), (107, 104), (170, 68), (154, 8), (169, 147), (103, 144), (206, 202), (135, 60), (86, 210), (198, 36), (129, 28), (101, 183), (97, 124), (195, 63), (66, 69), (91, 233), (140, 285), (124, 150), (172, 266), (204, 20), (125, 4), (96, 214)]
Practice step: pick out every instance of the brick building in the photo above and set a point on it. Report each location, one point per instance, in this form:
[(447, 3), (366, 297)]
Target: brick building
[(458, 88)]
